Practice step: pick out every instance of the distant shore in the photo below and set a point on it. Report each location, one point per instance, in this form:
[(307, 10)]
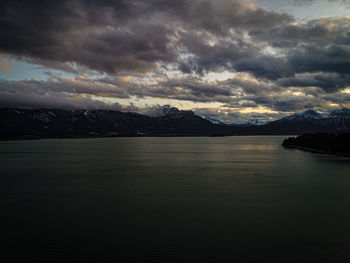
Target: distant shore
[(26, 138)]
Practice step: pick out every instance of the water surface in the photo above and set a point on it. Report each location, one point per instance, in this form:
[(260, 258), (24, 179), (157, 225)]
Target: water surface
[(217, 199)]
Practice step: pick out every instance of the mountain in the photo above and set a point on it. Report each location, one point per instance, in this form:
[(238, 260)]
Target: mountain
[(62, 123), (250, 123), (19, 123), (306, 115), (309, 122), (213, 120), (340, 118), (165, 110)]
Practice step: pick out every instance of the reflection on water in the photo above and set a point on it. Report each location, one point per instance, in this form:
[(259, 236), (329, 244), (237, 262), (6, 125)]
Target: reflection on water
[(216, 199)]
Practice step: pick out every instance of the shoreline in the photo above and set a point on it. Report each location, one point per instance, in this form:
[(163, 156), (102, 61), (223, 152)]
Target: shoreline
[(29, 138), (314, 150)]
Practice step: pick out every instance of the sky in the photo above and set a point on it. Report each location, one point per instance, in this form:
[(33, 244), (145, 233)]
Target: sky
[(232, 60)]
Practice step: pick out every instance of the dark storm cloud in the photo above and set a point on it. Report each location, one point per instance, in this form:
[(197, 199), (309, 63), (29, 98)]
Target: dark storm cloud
[(279, 103), (328, 82), (102, 35), (40, 94), (305, 59), (320, 45), (114, 36), (323, 30), (64, 86), (195, 90), (219, 17), (331, 58), (190, 89), (224, 54)]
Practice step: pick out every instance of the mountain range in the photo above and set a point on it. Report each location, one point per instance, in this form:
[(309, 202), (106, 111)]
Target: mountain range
[(28, 123)]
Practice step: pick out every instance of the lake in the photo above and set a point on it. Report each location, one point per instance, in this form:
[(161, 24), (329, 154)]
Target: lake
[(182, 199)]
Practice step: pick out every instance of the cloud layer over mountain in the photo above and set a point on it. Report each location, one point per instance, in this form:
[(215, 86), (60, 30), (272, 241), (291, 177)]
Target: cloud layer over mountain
[(166, 50)]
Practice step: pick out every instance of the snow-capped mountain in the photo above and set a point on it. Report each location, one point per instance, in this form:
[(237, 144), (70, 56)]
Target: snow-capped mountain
[(53, 122), (256, 122), (306, 115), (312, 121), (342, 113), (213, 120), (340, 118), (167, 112), (16, 123)]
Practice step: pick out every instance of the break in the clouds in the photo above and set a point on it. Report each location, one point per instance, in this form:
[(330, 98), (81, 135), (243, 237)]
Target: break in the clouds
[(302, 2), (231, 59)]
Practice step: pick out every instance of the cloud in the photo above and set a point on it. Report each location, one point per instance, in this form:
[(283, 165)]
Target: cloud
[(76, 32), (237, 93), (136, 36), (134, 44), (329, 82), (230, 116), (116, 36), (304, 2), (237, 100)]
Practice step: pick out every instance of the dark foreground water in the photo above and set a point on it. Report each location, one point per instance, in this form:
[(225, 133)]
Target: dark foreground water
[(223, 199)]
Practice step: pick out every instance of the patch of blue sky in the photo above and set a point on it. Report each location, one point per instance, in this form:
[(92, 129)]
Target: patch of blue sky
[(309, 10), (21, 70)]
